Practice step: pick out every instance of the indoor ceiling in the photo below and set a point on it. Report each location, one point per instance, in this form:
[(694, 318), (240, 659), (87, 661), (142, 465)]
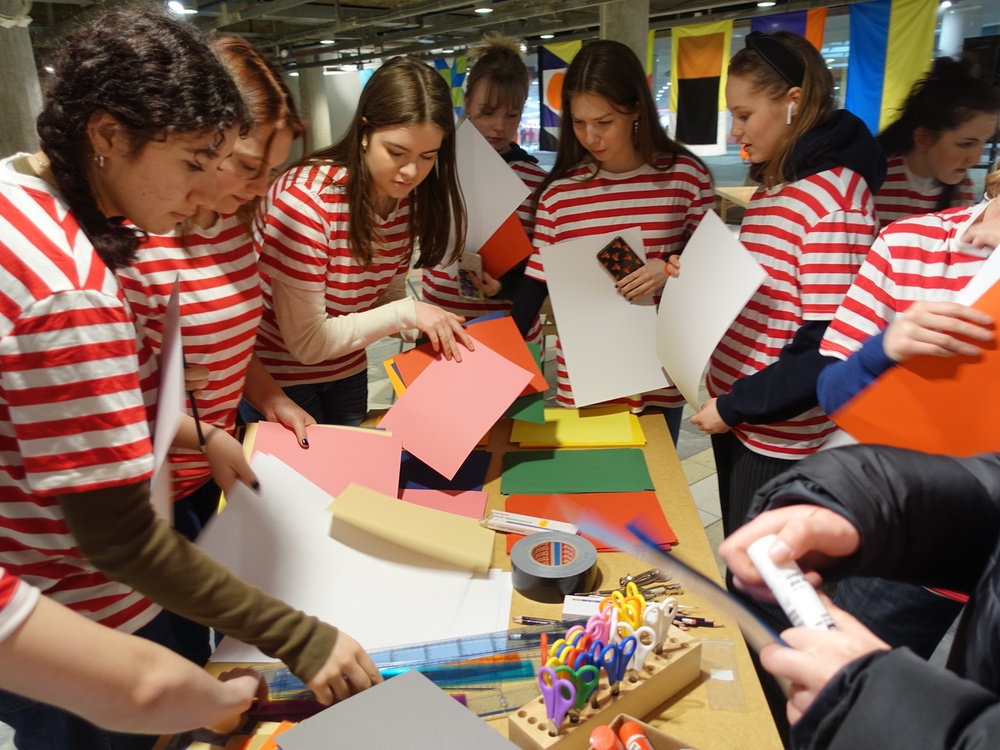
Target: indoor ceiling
[(306, 33)]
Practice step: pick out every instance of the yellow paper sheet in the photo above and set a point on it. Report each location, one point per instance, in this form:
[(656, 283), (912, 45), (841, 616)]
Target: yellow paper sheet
[(444, 536), (569, 428)]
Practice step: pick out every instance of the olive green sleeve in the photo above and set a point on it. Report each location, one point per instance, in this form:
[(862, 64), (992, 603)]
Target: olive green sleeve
[(118, 532)]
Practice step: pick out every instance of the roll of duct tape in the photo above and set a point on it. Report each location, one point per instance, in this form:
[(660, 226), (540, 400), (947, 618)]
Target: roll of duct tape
[(548, 566)]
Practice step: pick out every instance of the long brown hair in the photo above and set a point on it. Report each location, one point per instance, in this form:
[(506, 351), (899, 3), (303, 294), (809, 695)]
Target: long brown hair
[(611, 70), (402, 93), (815, 102), (264, 94)]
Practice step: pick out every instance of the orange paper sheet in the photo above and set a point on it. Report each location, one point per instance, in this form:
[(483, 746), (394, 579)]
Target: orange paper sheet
[(615, 508), (933, 404), (282, 727), (499, 334), (507, 247), (336, 456)]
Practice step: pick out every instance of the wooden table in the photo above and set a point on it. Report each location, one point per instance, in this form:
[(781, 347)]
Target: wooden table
[(733, 196), (740, 719)]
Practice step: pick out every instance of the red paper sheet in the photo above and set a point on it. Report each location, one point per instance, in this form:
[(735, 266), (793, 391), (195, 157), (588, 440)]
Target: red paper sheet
[(499, 334), (507, 247), (615, 508), (933, 404)]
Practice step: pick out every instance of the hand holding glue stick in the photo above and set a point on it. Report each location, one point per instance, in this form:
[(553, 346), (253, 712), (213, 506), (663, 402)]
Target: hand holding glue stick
[(794, 593)]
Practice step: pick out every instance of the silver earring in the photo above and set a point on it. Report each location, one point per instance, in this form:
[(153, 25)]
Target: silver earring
[(99, 160), (635, 126), (789, 113)]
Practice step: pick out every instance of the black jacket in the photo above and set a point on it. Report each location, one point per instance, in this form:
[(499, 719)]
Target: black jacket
[(930, 520)]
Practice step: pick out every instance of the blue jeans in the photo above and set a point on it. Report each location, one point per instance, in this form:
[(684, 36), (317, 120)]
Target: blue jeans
[(901, 614), (342, 402), (38, 726)]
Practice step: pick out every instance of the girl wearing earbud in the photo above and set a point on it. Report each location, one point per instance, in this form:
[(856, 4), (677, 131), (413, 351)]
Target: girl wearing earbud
[(337, 239), (616, 168), (942, 127)]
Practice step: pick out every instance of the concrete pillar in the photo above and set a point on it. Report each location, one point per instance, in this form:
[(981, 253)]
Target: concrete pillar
[(315, 109), (957, 24), (627, 21), (20, 93)]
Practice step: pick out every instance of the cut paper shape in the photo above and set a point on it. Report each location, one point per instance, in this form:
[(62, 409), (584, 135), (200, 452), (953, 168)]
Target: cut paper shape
[(414, 474), (569, 471), (453, 539), (607, 341), (530, 408), (614, 508), (470, 504), (445, 412), (716, 267), (500, 334), (336, 455), (606, 425), (508, 246), (933, 404)]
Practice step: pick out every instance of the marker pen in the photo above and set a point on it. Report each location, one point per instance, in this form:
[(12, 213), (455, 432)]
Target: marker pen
[(515, 523), (794, 593), (633, 737)]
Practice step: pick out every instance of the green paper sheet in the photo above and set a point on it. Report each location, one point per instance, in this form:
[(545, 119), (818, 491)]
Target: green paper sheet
[(554, 471), (530, 408)]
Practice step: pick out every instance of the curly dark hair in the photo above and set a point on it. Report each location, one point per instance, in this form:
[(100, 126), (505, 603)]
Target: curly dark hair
[(156, 77)]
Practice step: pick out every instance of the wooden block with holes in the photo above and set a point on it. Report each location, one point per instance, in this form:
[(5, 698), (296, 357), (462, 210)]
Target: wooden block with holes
[(661, 677)]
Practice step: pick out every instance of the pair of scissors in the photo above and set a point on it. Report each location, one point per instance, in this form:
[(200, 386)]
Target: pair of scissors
[(645, 642), (559, 695), (630, 605), (585, 679), (660, 616), (614, 658)]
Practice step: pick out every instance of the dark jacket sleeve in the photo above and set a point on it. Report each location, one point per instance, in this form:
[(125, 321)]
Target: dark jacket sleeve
[(896, 699), (912, 510), (783, 389), (528, 300), (510, 281), (845, 379)]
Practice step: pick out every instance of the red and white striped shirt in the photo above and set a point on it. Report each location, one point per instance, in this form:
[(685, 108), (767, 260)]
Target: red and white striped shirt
[(17, 601), (304, 244), (666, 202), (220, 310), (810, 236), (920, 258), (440, 284), (77, 392), (906, 194)]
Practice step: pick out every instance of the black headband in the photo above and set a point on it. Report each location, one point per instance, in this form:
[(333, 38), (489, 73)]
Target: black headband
[(781, 58)]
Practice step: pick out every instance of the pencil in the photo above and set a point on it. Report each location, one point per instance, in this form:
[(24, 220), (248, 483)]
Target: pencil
[(697, 622), (522, 620), (194, 412)]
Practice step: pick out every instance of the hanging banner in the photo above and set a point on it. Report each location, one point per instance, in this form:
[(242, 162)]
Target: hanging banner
[(553, 59), (699, 57), (453, 71), (810, 24)]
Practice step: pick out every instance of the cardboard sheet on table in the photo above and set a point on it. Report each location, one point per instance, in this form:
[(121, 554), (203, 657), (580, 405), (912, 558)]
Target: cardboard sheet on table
[(933, 404), (605, 425), (453, 539), (491, 189), (578, 470), (336, 455), (415, 474), (407, 711), (719, 277), (470, 504), (278, 539), (615, 508), (507, 247), (608, 342), (499, 334), (446, 411)]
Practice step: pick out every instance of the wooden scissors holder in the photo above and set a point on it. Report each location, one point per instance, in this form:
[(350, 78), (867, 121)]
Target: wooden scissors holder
[(661, 677)]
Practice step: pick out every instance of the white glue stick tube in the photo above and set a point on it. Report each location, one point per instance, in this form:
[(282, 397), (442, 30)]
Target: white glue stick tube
[(515, 523), (794, 593)]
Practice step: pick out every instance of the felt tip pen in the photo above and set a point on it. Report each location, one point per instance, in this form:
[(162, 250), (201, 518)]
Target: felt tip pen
[(525, 620), (697, 622), (515, 523)]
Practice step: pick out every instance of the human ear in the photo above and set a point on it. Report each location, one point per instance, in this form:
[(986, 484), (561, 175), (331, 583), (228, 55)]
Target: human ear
[(106, 135)]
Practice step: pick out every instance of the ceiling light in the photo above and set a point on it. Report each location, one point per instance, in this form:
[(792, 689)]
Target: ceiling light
[(484, 6), (178, 7), (946, 4), (294, 74), (523, 47), (447, 51), (327, 41), (547, 36), (766, 4), (830, 60)]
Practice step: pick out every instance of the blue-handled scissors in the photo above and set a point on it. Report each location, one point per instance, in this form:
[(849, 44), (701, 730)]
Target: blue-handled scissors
[(614, 658), (559, 695)]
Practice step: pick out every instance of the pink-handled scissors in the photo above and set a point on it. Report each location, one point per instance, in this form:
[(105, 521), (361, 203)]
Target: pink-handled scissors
[(559, 695)]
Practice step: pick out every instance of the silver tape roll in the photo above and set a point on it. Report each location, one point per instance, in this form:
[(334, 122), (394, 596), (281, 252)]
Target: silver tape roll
[(548, 566)]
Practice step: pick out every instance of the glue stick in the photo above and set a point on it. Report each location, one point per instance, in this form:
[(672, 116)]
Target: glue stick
[(794, 593), (633, 737), (604, 738)]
